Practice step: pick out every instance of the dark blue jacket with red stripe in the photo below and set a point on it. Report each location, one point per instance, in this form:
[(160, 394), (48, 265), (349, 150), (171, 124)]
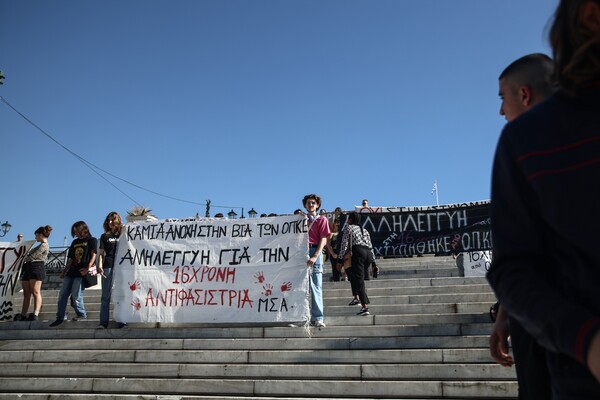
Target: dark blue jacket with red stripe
[(546, 222)]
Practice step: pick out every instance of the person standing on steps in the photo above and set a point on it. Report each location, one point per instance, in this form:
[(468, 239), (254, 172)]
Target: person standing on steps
[(356, 240), (523, 84), (332, 248), (106, 261), (82, 256), (34, 273), (318, 232)]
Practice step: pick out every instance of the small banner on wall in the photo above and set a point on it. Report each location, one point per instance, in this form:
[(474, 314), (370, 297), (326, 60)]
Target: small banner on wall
[(443, 230), (213, 270), (11, 262), (477, 263)]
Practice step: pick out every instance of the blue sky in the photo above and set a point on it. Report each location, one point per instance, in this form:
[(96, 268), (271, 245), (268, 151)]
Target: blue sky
[(251, 103)]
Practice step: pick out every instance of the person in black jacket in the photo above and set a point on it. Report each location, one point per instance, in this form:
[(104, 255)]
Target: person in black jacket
[(545, 191), (523, 84)]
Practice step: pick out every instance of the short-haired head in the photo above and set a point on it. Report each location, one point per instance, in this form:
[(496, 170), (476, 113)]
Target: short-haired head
[(533, 70), (524, 83)]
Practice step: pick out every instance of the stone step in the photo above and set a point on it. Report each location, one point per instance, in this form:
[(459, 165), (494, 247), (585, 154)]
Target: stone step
[(414, 282), (95, 350), (454, 348), (419, 273), (80, 356), (416, 299), (422, 304), (112, 396), (401, 309), (346, 320), (258, 331), (349, 319), (187, 367), (342, 289), (266, 387)]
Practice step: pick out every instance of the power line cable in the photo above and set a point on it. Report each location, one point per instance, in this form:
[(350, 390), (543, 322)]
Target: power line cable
[(90, 164), (77, 156)]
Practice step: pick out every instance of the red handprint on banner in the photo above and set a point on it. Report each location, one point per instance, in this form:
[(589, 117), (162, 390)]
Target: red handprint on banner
[(133, 286), (260, 277), (268, 289), (286, 287), (136, 304)]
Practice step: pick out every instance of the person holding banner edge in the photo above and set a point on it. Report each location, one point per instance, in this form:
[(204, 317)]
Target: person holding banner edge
[(106, 258), (523, 84), (545, 270), (318, 232)]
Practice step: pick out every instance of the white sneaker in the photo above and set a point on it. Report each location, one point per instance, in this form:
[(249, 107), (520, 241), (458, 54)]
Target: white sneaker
[(319, 324)]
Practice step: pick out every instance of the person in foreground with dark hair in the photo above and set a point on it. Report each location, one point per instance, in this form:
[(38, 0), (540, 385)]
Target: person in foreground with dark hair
[(546, 265), (523, 84), (34, 273), (357, 241), (82, 256)]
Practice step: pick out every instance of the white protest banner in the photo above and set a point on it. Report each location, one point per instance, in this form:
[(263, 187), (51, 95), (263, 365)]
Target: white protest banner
[(477, 263), (212, 270), (11, 262)]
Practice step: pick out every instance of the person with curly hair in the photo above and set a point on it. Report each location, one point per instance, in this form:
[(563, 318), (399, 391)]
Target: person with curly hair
[(318, 232)]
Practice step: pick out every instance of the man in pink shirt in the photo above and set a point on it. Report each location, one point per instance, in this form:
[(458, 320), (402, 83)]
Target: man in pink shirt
[(318, 232)]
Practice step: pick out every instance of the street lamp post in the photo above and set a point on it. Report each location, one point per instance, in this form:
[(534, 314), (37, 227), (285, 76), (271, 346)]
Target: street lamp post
[(252, 213), (5, 228)]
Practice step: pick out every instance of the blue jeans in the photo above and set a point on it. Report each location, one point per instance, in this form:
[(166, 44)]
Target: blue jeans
[(106, 292), (316, 287), (71, 287)]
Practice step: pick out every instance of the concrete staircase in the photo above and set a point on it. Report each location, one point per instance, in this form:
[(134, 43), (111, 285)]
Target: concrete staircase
[(427, 338)]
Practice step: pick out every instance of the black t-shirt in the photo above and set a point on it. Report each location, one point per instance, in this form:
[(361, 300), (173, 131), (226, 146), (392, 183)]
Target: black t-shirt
[(80, 252), (108, 242)]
